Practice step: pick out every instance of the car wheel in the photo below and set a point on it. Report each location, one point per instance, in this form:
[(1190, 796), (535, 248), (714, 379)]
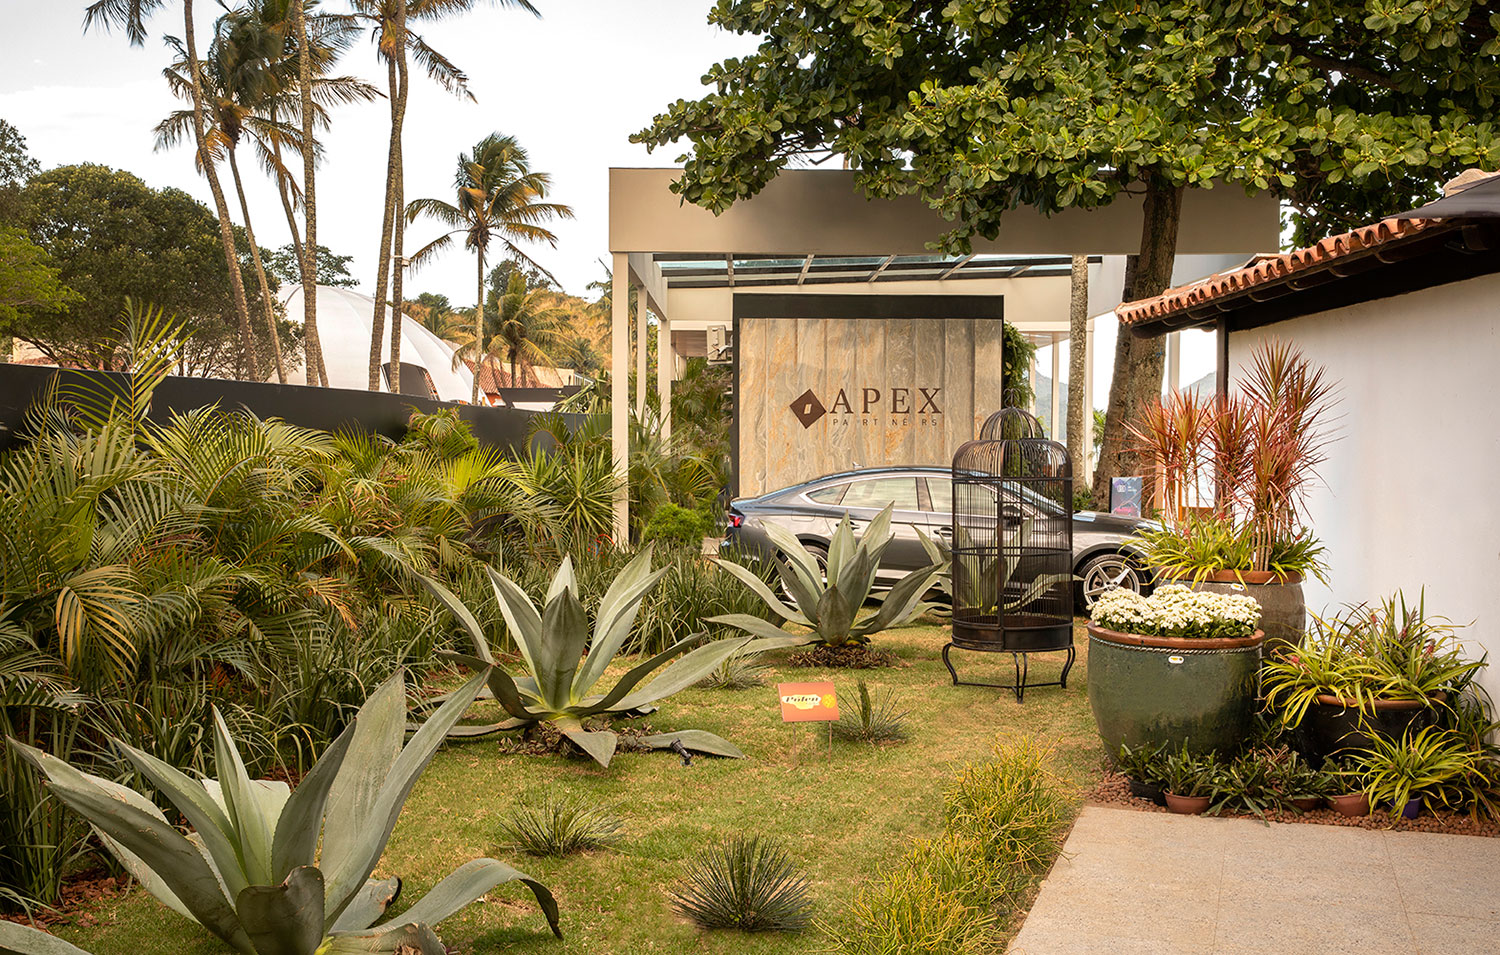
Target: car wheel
[(1105, 572)]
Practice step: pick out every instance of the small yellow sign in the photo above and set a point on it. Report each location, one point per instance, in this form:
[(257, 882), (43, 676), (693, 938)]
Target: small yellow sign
[(807, 702)]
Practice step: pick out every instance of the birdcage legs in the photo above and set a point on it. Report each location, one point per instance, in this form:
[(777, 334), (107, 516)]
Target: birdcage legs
[(1021, 664)]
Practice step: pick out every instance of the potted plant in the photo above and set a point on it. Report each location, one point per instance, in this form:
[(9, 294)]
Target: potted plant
[(1232, 476), (1302, 787), (1190, 780), (1345, 789), (1142, 766), (1173, 669), (1367, 673), (1407, 773)]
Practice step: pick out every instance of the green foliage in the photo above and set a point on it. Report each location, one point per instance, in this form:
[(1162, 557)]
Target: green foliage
[(1004, 823), (333, 269), (1015, 379), (746, 883), (1429, 764), (692, 593), (1388, 652), (740, 670), (27, 280), (679, 527), (16, 167), (556, 687), (560, 825), (872, 720), (1199, 547), (981, 107), (831, 600), (254, 875)]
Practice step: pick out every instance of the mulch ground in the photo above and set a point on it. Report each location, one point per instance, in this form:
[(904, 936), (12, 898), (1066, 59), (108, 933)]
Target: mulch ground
[(852, 657), (79, 897), (1114, 790)]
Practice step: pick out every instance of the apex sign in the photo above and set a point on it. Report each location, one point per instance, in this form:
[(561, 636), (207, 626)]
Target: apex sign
[(898, 402)]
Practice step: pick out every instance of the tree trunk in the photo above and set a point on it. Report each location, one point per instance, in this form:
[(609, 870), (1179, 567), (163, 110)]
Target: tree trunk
[(1138, 361), (283, 190), (260, 269), (383, 264), (317, 371), (479, 325), (226, 227), (1078, 370), (399, 226)]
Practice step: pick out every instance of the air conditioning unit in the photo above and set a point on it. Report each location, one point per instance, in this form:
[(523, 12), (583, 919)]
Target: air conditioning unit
[(720, 345)]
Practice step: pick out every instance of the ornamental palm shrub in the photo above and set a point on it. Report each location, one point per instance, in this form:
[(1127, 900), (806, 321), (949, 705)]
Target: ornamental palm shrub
[(830, 600), (745, 883), (559, 688), (550, 825), (252, 872)]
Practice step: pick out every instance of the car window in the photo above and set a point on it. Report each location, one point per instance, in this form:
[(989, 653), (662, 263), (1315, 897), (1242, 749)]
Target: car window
[(940, 489), (828, 495), (878, 492)]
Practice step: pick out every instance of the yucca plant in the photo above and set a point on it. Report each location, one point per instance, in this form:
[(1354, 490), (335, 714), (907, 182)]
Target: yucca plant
[(831, 600), (740, 670), (746, 883), (561, 684), (559, 825), (873, 720), (251, 873)]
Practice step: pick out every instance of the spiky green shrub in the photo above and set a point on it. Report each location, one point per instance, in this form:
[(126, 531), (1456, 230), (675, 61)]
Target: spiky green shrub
[(559, 825), (933, 902), (830, 599), (748, 884), (252, 873), (740, 670), (558, 687), (874, 719)]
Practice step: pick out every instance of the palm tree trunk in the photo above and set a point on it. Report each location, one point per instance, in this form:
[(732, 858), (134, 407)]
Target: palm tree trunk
[(383, 260), (226, 228), (260, 269), (478, 324), (1139, 361), (317, 371), (399, 226), (1078, 329), (284, 191)]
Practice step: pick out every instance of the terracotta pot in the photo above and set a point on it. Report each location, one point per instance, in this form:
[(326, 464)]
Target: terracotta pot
[(1350, 804), (1307, 803), (1187, 805), (1333, 724), (1150, 691), (1283, 611)]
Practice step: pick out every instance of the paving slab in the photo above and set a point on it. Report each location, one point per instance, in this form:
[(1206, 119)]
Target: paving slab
[(1156, 883)]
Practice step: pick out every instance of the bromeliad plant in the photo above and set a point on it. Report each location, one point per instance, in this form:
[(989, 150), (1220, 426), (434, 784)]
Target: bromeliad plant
[(250, 871), (830, 600), (565, 659)]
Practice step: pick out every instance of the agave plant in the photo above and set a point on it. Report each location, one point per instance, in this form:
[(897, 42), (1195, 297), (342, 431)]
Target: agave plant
[(830, 600), (562, 684), (250, 871)]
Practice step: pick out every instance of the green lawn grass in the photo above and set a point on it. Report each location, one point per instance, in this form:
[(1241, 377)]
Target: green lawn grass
[(842, 816)]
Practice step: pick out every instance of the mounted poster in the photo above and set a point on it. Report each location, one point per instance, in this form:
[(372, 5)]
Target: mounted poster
[(827, 383)]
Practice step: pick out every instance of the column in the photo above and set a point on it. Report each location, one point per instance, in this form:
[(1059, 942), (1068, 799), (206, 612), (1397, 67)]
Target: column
[(641, 352), (1057, 416), (619, 392), (1174, 361), (666, 371)]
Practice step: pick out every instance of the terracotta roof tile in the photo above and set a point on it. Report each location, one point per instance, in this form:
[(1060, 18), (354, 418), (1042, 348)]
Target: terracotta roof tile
[(1271, 268)]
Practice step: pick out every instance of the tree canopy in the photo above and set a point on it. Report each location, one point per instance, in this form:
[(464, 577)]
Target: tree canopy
[(1347, 108), (333, 269)]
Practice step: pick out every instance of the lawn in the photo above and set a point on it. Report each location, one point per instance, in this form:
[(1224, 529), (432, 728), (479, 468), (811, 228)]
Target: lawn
[(842, 816)]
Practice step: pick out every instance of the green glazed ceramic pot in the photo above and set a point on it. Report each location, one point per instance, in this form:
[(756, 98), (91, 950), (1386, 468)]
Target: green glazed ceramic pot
[(1149, 691)]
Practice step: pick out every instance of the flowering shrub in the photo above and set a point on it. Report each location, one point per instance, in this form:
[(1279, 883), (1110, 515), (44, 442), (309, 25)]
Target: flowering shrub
[(1176, 611)]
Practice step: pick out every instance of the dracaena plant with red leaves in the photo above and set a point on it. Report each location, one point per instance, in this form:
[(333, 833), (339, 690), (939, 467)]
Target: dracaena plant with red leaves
[(1234, 471)]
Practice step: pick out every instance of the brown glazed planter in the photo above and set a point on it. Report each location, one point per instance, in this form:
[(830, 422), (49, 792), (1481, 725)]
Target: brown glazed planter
[(1333, 724), (1283, 612), (1151, 691), (1188, 805), (1307, 803), (1350, 804)]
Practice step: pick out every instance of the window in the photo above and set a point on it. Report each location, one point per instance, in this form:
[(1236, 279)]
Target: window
[(879, 492), (828, 495), (940, 489)]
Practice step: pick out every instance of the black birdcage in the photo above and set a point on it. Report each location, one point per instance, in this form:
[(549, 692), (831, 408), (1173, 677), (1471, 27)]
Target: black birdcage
[(1013, 545)]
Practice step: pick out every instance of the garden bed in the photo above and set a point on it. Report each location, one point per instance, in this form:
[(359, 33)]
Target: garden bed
[(841, 817)]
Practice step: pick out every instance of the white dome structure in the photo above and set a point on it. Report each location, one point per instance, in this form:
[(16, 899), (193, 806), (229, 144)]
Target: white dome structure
[(344, 318)]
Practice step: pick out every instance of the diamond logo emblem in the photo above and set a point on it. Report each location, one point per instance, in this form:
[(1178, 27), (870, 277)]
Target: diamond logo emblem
[(808, 408)]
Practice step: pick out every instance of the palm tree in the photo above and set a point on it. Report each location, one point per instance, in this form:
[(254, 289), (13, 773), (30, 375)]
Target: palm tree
[(533, 328), (499, 199), (131, 16), (248, 82), (388, 26)]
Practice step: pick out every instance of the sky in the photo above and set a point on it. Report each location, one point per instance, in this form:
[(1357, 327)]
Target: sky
[(571, 86)]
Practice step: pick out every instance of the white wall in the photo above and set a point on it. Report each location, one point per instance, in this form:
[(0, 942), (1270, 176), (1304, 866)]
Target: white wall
[(1409, 495)]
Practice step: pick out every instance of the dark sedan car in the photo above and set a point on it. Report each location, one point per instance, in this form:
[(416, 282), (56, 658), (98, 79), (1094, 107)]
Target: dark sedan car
[(1104, 554)]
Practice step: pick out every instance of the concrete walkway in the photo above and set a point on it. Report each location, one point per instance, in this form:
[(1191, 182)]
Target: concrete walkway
[(1137, 882)]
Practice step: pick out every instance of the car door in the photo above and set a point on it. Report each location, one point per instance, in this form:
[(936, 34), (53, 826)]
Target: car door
[(864, 499)]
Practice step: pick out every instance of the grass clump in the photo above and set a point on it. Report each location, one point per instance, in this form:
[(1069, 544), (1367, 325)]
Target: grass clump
[(559, 826), (953, 895), (749, 884), (874, 720), (740, 671)]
